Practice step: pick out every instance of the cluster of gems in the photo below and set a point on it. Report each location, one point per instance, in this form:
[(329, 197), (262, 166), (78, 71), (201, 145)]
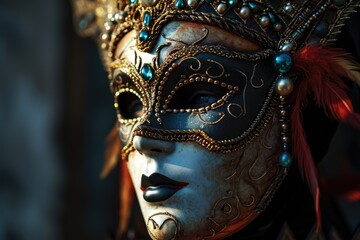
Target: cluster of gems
[(245, 10), (317, 21), (262, 14), (284, 85), (266, 17)]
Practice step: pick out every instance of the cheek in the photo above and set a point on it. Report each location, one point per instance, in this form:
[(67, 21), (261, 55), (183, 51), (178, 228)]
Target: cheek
[(192, 205), (200, 168), (223, 188), (136, 169), (207, 186)]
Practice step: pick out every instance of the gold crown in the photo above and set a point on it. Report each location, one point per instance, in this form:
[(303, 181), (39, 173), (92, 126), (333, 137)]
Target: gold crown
[(279, 25)]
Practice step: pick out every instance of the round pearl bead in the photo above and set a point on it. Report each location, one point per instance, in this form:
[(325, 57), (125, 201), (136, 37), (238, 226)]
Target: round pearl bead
[(221, 8), (264, 21), (282, 112), (284, 86), (287, 47), (285, 139), (193, 3), (245, 12), (120, 16), (289, 8), (277, 26), (284, 126)]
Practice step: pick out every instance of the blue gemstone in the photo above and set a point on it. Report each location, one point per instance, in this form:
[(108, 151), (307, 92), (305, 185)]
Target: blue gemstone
[(283, 62), (144, 35), (232, 2), (180, 4), (321, 30), (132, 2), (147, 19), (147, 72), (272, 17), (277, 26), (285, 159), (254, 7)]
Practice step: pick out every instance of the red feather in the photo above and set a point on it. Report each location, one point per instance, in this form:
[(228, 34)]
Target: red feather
[(126, 189), (126, 198), (321, 75)]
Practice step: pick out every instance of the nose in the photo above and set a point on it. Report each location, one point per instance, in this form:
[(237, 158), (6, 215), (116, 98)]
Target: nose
[(152, 147)]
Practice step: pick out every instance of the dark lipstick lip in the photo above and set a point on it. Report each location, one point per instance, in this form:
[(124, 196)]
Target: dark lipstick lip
[(157, 187), (160, 181), (165, 186)]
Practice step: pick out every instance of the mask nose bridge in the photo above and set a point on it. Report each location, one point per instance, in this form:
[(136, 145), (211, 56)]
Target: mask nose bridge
[(153, 147)]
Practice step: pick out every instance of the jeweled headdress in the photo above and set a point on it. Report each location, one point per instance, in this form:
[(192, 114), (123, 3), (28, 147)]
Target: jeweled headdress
[(281, 25), (296, 33)]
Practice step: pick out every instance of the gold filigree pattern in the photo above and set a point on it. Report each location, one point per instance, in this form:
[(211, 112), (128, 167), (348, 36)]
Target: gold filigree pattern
[(185, 54), (136, 86), (241, 110), (110, 20), (198, 77), (163, 226), (151, 94), (201, 138), (245, 198), (221, 116), (252, 79)]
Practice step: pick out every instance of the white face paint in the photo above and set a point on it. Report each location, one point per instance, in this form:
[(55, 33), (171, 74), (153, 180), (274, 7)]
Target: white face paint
[(223, 191), (183, 162), (186, 191)]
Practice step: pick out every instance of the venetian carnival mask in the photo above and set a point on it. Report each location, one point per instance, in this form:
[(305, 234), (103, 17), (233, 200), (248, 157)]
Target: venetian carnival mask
[(200, 89)]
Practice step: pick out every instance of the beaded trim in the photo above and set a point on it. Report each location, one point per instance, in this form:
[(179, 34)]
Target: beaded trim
[(314, 22), (169, 65), (201, 138)]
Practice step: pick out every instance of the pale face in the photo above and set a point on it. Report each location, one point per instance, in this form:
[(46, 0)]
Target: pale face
[(219, 192), (185, 190)]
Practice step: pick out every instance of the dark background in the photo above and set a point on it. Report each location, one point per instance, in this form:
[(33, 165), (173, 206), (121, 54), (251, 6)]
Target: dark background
[(55, 112)]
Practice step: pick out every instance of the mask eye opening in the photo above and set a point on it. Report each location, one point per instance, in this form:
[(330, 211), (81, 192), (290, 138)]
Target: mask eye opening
[(199, 95), (129, 105)]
